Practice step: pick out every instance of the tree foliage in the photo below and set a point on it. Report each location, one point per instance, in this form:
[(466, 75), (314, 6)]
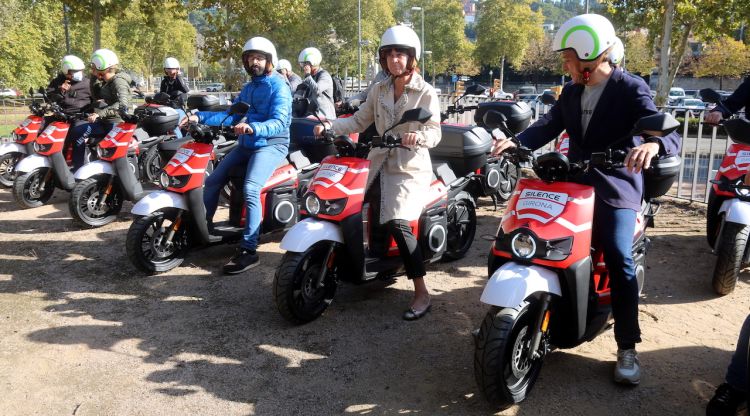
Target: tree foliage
[(723, 57), (540, 59), (639, 56)]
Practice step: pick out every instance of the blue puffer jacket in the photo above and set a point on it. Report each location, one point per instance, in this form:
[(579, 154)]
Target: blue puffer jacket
[(269, 115)]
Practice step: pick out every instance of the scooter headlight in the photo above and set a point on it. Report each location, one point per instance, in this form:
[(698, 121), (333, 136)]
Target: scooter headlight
[(105, 152), (523, 246), (312, 204), (164, 180), (740, 190)]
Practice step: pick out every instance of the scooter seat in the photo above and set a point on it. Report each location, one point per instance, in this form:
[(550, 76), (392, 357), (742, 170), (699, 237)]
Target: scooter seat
[(298, 160), (173, 145), (443, 172)]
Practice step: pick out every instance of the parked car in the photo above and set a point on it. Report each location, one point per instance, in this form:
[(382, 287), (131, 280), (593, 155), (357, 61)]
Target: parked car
[(533, 100), (693, 104), (216, 87), (675, 93), (691, 93), (8, 92), (502, 95), (525, 89)]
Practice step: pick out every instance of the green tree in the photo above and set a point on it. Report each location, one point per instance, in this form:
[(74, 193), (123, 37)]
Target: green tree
[(724, 58), (444, 35), (505, 30), (540, 59), (97, 12), (639, 56), (672, 22)]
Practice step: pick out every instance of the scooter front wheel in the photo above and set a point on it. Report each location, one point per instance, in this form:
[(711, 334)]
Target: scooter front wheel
[(33, 189), (158, 242), (298, 296), (502, 368), (85, 203), (462, 226), (8, 163), (730, 251)]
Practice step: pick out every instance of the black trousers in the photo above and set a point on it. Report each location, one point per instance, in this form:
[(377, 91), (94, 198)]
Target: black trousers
[(408, 247)]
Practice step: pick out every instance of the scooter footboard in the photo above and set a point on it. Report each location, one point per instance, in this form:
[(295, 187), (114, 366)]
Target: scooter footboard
[(512, 283), (308, 232), (736, 211), (158, 200)]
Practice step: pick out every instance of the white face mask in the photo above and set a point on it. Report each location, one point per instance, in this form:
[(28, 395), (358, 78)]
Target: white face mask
[(78, 76)]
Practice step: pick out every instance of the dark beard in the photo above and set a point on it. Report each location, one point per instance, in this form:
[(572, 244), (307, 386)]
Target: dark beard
[(256, 71)]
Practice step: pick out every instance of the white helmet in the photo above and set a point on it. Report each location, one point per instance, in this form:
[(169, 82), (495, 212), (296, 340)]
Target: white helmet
[(285, 64), (589, 35), (401, 37), (617, 53), (311, 55), (71, 63), (262, 45), (103, 59), (171, 63)]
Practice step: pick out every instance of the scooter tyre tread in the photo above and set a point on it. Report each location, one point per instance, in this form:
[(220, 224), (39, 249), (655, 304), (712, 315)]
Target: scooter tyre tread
[(73, 205), (133, 241), (19, 186), (730, 251)]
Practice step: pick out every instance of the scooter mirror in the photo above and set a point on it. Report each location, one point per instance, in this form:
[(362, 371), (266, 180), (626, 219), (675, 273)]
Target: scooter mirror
[(738, 130), (240, 107), (55, 97), (710, 95), (312, 105), (31, 91), (160, 98), (548, 99), (416, 114), (475, 89), (660, 125), (494, 119)]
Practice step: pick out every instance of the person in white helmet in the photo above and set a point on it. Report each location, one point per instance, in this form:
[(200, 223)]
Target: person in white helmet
[(173, 82), (263, 142), (72, 84), (175, 86), (109, 86), (401, 176), (318, 80), (597, 108), (285, 69)]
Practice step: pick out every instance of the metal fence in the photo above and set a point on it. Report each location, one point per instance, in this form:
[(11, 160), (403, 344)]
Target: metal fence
[(703, 147)]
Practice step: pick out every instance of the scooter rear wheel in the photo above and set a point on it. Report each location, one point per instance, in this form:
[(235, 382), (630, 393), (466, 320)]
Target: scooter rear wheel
[(146, 245), (30, 190), (502, 369), (152, 164), (462, 226), (8, 163), (85, 200), (297, 296), (730, 250)]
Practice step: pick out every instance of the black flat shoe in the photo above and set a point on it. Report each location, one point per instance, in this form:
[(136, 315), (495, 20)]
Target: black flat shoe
[(412, 315)]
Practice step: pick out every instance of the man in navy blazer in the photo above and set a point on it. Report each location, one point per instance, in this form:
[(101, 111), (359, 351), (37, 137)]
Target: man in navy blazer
[(598, 109)]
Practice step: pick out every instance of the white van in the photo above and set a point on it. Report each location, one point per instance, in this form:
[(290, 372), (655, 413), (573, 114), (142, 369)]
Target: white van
[(675, 93)]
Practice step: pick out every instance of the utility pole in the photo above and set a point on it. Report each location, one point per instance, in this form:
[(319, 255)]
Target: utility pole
[(67, 33), (359, 45)]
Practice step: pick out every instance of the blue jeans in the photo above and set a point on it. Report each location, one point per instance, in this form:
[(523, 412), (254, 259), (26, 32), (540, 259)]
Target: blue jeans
[(260, 166), (737, 370), (613, 232), (177, 131), (80, 134)]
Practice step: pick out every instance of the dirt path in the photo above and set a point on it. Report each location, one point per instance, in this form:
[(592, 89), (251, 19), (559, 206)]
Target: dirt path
[(82, 333)]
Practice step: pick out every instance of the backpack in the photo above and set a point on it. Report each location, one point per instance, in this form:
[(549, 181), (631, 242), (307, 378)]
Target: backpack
[(305, 90), (338, 89)]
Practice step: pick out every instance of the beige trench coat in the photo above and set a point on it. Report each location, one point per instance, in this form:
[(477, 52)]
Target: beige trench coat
[(405, 175)]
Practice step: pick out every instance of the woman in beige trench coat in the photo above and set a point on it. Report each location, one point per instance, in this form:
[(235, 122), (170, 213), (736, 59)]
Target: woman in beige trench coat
[(404, 174)]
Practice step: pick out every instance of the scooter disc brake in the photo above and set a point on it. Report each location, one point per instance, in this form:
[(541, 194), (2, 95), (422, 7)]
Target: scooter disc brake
[(520, 363)]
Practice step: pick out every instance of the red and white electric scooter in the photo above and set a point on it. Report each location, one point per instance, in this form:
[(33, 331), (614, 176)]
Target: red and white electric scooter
[(341, 238), (23, 143), (548, 286)]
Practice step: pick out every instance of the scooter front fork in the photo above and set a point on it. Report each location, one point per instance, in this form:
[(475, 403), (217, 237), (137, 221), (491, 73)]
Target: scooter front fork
[(327, 265), (542, 322), (174, 228), (105, 194)]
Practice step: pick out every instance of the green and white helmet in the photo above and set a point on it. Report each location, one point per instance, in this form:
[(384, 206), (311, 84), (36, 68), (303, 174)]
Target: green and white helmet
[(617, 53), (103, 59), (71, 63), (589, 35), (311, 55)]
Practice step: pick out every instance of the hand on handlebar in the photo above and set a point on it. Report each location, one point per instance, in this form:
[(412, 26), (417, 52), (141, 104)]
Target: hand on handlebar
[(320, 129), (713, 117), (640, 157), (501, 144), (410, 139), (242, 128), (92, 117)]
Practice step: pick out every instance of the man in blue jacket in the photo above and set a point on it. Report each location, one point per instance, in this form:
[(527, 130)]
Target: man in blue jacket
[(263, 142), (597, 109)]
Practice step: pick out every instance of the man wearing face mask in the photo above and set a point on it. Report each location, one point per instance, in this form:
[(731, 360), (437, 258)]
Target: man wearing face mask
[(319, 80), (175, 86), (72, 85), (263, 135)]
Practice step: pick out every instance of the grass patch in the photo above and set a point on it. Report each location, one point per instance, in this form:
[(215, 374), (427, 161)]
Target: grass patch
[(5, 129)]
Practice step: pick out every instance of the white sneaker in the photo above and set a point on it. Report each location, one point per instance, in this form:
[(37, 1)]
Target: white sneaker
[(628, 368)]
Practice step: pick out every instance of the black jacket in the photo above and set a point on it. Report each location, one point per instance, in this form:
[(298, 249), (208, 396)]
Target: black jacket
[(734, 103), (77, 96), (625, 99), (175, 86)]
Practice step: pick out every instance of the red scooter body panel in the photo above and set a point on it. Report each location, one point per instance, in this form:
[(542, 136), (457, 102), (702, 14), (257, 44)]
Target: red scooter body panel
[(552, 211), (734, 164), (192, 158), (120, 138), (53, 138), (341, 177), (28, 131)]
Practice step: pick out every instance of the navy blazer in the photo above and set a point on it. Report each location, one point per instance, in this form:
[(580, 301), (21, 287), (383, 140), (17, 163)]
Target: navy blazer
[(625, 99), (739, 98)]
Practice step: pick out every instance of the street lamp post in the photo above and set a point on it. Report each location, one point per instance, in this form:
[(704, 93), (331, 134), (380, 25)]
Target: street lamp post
[(359, 44), (432, 71), (420, 9)]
